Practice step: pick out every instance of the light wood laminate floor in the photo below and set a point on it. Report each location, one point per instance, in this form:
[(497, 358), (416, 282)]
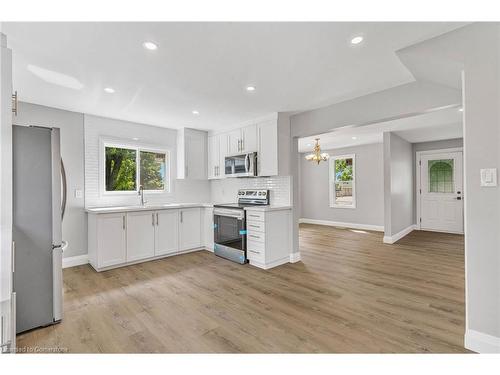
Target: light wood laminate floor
[(350, 293)]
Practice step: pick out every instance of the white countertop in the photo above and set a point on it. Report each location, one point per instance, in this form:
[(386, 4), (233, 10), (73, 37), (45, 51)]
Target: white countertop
[(268, 208), (152, 207), (147, 207)]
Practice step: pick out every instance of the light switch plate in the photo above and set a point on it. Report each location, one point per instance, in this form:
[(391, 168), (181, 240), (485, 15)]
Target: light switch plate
[(489, 177), (78, 193)]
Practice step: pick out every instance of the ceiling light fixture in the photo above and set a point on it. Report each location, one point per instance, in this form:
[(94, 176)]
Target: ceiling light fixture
[(109, 90), (354, 138), (150, 46), (461, 109), (250, 88), (316, 155), (195, 112), (357, 39), (135, 139)]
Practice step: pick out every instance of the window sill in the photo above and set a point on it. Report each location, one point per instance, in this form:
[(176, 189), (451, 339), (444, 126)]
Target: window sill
[(342, 206)]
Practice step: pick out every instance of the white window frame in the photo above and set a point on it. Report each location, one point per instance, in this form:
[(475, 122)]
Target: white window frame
[(331, 180), (138, 147)]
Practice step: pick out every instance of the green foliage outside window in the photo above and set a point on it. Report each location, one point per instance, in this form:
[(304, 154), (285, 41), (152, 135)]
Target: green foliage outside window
[(152, 170), (121, 169), (343, 170)]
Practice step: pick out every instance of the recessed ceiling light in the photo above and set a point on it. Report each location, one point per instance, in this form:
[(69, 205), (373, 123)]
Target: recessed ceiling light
[(195, 112), (150, 46), (461, 109), (309, 145), (250, 88), (354, 137), (357, 39), (109, 90), (135, 139)]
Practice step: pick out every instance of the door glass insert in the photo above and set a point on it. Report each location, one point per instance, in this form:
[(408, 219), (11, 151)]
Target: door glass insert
[(441, 176)]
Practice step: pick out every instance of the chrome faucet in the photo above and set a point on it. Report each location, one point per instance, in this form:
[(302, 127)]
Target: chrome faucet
[(141, 194)]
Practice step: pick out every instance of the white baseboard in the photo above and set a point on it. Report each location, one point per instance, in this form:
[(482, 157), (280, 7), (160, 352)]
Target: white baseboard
[(378, 228), (75, 261), (295, 257), (399, 235), (481, 342)]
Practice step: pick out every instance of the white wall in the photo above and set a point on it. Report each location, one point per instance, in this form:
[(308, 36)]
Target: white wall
[(97, 128), (74, 225), (399, 185), (369, 175)]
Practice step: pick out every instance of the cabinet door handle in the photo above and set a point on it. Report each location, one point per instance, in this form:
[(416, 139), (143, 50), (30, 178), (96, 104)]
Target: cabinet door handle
[(255, 252), (123, 222), (181, 217), (254, 236), (153, 219), (253, 226), (157, 220), (13, 256)]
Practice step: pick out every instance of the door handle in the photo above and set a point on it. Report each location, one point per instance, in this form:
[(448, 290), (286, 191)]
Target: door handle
[(153, 219), (123, 222), (157, 221), (459, 198), (181, 217)]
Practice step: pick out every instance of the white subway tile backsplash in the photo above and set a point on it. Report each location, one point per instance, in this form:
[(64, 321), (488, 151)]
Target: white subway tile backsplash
[(226, 190)]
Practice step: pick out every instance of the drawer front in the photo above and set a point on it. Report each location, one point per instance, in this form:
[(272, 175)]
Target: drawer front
[(255, 251), (255, 215), (256, 226), (255, 236)]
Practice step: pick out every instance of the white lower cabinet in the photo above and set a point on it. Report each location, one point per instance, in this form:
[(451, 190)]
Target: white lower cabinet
[(167, 232), (118, 239), (189, 228), (140, 235), (269, 241), (107, 240)]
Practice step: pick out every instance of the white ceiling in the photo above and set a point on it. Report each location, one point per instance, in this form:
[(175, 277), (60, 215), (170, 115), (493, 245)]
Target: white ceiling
[(432, 126), (206, 67)]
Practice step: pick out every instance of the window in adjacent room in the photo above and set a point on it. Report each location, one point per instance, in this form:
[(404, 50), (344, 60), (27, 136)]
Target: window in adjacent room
[(127, 167), (342, 181)]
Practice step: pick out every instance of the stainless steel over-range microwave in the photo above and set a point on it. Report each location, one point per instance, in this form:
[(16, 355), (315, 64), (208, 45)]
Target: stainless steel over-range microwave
[(241, 165)]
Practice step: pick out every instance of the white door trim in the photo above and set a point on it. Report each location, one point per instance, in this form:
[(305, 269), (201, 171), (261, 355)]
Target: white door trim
[(417, 176)]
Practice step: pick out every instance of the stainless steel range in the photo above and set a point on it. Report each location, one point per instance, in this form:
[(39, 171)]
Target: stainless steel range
[(230, 231)]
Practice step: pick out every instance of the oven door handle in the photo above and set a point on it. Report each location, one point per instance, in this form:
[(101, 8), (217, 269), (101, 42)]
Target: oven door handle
[(227, 213)]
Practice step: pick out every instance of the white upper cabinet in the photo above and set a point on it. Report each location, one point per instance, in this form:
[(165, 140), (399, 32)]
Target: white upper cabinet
[(267, 154), (191, 154), (213, 156), (234, 142), (217, 151), (243, 140), (249, 139)]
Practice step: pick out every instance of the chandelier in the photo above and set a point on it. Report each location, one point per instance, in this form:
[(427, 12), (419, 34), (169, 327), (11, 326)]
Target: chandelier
[(316, 155)]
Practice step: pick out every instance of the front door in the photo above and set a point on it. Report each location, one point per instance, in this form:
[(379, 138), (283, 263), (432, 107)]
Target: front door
[(441, 192)]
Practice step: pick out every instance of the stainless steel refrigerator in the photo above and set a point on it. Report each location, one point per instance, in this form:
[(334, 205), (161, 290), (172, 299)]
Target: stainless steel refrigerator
[(37, 217)]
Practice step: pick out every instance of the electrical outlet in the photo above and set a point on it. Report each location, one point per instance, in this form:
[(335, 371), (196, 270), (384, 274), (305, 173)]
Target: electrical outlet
[(78, 193)]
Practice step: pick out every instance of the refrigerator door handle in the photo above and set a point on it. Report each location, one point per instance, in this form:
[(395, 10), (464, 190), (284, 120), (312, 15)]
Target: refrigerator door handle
[(64, 189)]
